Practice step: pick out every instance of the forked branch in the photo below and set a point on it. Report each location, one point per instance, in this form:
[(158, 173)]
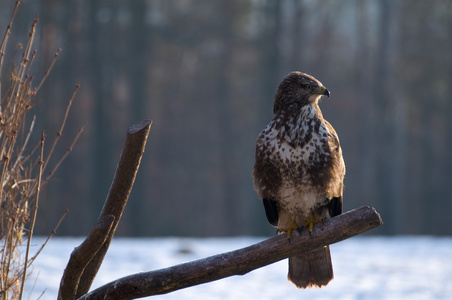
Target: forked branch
[(86, 259)]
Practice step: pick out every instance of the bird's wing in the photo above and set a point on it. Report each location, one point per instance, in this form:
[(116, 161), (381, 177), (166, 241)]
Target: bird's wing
[(271, 211), (338, 170), (267, 180)]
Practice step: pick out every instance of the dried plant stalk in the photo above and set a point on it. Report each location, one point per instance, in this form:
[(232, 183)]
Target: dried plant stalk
[(21, 166)]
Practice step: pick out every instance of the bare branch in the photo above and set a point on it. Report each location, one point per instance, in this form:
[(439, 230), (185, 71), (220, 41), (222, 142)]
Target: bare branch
[(115, 203), (82, 255), (240, 261)]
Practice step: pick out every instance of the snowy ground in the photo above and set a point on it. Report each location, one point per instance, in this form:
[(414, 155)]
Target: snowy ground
[(364, 267)]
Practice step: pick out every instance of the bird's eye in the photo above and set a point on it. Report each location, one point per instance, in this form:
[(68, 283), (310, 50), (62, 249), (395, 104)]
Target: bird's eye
[(309, 86)]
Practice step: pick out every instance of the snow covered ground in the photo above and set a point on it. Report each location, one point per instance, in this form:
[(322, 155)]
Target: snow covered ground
[(364, 267)]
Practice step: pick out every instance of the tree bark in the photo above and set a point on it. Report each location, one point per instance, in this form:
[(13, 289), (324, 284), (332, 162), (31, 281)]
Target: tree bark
[(240, 261), (82, 255), (82, 268)]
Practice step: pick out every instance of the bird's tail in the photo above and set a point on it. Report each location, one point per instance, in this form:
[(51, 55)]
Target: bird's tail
[(311, 269)]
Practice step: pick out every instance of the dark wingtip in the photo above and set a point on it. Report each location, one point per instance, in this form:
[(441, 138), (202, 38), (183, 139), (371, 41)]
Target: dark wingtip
[(271, 211)]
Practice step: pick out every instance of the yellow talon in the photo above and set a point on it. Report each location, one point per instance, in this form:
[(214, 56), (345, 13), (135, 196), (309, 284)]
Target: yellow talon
[(293, 226), (311, 221)]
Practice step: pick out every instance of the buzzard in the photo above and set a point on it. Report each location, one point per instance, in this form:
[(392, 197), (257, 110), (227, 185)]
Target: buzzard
[(299, 171)]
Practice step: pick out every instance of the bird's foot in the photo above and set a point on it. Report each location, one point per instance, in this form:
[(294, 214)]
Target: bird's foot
[(293, 226), (300, 229), (310, 223)]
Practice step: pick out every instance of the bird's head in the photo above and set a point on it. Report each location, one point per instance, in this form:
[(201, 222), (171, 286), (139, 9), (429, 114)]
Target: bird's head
[(298, 87)]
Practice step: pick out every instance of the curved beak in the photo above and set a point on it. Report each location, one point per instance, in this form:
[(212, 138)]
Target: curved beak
[(325, 91)]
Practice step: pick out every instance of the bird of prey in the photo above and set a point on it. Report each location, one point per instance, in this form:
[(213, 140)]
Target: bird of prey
[(299, 171)]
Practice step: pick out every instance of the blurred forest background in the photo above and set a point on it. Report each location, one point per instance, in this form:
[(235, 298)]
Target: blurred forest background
[(205, 72)]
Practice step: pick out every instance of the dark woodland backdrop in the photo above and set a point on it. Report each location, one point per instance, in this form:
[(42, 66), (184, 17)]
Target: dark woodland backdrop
[(205, 72)]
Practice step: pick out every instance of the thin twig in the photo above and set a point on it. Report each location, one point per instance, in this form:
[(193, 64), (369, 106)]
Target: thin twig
[(34, 285), (29, 65), (25, 59), (30, 156), (63, 123), (33, 217), (69, 150), (46, 74), (49, 237), (5, 41), (8, 263), (19, 160)]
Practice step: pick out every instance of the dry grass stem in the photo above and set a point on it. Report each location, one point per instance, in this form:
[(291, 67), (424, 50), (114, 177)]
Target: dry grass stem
[(22, 166), (33, 217)]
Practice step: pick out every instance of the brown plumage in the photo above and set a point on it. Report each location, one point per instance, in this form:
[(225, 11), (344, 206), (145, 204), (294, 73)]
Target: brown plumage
[(299, 171)]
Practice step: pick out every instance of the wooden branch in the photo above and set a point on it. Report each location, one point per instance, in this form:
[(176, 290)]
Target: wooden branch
[(240, 261), (114, 206), (82, 255)]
